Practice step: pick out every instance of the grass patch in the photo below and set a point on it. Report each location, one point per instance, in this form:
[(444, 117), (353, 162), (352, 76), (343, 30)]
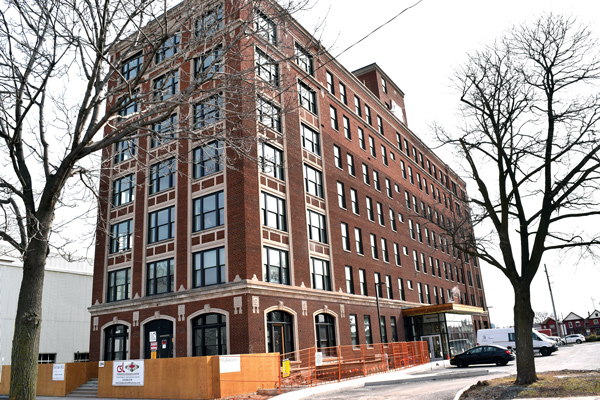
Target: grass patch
[(564, 383)]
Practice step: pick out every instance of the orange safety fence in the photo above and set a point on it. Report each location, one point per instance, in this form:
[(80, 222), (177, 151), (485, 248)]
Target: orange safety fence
[(314, 366)]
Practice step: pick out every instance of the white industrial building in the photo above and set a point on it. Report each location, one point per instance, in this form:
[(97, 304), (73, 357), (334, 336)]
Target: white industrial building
[(65, 316)]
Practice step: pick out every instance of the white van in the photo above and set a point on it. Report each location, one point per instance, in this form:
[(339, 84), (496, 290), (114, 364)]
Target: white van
[(506, 337)]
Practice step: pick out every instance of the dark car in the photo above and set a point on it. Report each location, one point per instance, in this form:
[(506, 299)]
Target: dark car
[(490, 354)]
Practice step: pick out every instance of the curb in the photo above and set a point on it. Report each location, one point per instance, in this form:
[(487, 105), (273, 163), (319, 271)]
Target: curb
[(461, 391), (438, 377)]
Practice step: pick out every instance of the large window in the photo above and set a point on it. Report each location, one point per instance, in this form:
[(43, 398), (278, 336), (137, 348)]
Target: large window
[(313, 180), (274, 215), (162, 175), (267, 68), (123, 190), (394, 329), (132, 66), (209, 335), (208, 159), (209, 211), (357, 108), (341, 195), (353, 330), (330, 85), (166, 86), (130, 105), (271, 161), (269, 114), (347, 132), (350, 162), (343, 96), (358, 241), (334, 117), (310, 140), (365, 172), (209, 267), (337, 156), (345, 237), (160, 277), (124, 150), (210, 63), (265, 27), (275, 266), (308, 97), (208, 112), (118, 285), (349, 280), (382, 330), (317, 229), (325, 328), (115, 342), (320, 274), (168, 48), (120, 236), (368, 334), (210, 22), (362, 280), (161, 225), (304, 59), (280, 333), (164, 131), (354, 200)]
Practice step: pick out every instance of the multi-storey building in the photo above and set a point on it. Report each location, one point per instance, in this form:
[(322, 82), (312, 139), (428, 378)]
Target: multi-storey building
[(338, 204)]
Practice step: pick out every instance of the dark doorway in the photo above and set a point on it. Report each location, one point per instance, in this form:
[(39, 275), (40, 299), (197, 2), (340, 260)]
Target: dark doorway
[(280, 333), (159, 335)]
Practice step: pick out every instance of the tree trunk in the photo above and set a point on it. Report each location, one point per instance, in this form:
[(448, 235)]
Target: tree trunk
[(524, 343), (25, 347)]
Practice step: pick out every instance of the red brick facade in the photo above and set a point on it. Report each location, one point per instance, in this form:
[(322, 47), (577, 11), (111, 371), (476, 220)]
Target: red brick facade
[(245, 298)]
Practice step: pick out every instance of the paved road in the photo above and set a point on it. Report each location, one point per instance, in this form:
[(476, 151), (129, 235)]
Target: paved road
[(584, 356)]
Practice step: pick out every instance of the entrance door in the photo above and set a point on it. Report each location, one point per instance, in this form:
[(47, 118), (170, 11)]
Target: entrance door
[(278, 345), (159, 336), (434, 343)]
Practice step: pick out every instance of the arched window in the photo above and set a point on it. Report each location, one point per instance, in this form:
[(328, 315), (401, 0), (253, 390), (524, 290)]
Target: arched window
[(210, 335), (280, 333), (115, 342), (325, 328)]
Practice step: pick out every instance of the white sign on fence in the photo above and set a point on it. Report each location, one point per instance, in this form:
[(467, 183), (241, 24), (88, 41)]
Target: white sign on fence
[(128, 373), (58, 372), (318, 358), (229, 364)]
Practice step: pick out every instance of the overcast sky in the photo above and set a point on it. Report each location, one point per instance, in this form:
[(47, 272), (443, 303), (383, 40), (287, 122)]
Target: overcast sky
[(420, 50)]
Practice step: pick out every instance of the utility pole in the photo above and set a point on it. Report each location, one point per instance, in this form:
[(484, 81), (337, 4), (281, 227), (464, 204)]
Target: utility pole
[(593, 304), (553, 307)]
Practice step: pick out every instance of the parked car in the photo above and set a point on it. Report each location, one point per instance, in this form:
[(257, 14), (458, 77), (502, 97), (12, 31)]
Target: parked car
[(506, 337), (559, 341), (490, 354), (576, 338)]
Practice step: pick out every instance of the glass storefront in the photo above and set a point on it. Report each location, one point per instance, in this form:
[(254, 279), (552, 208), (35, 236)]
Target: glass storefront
[(456, 332)]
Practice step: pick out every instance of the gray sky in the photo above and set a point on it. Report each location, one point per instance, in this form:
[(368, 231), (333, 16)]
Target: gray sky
[(420, 50)]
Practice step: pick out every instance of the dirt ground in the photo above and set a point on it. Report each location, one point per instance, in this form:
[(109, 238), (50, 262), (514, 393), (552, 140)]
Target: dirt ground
[(564, 383)]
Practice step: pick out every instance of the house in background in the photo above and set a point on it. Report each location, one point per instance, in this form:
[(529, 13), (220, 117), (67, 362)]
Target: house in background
[(65, 318), (574, 324), (551, 324), (593, 323)]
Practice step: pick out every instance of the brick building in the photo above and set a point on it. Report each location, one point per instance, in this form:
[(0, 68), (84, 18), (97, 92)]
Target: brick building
[(288, 252)]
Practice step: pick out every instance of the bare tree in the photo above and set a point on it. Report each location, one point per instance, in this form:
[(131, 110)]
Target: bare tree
[(540, 316), (77, 77), (529, 141)]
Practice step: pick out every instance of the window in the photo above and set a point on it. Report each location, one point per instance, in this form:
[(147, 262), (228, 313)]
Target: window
[(208, 159), (118, 285), (384, 87), (304, 59), (271, 161), (376, 180), (368, 114), (358, 240), (161, 225), (267, 68), (337, 156), (349, 280), (392, 215), (115, 342), (129, 105), (123, 190), (209, 212), (275, 267), (353, 330), (274, 214), (341, 195), (427, 294), (164, 131), (399, 141), (362, 280), (120, 236), (132, 66), (325, 330), (345, 237), (406, 147), (374, 250), (209, 267), (354, 201), (160, 277), (397, 254), (380, 214), (394, 329), (361, 138), (347, 132), (380, 124), (333, 116), (308, 98), (209, 333), (168, 48), (423, 264), (372, 146), (410, 175), (419, 233), (420, 289), (388, 187), (357, 108), (365, 172), (317, 229), (210, 22), (378, 284), (208, 112), (124, 150), (210, 63), (384, 155), (320, 274), (269, 114), (388, 287), (403, 168), (401, 287), (419, 182), (330, 85), (350, 161), (411, 229), (370, 214), (166, 86), (416, 260), (265, 27), (382, 330), (384, 250), (81, 357), (343, 96), (368, 336), (313, 181)]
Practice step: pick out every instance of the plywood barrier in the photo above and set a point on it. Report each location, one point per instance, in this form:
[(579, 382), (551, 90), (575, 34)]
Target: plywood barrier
[(76, 374)]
